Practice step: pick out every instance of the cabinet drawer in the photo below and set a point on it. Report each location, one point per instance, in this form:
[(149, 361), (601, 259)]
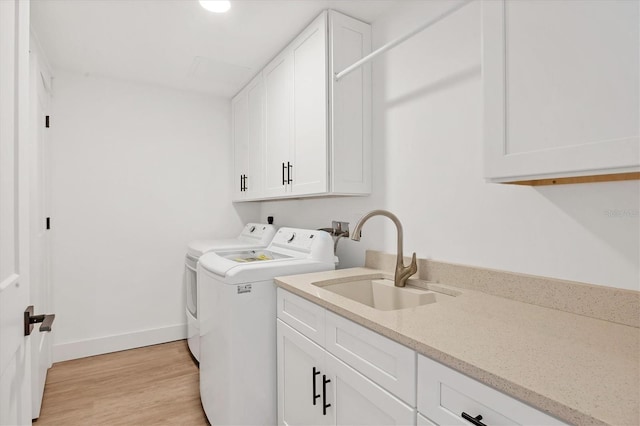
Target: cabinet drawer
[(304, 316), (382, 360), (444, 394)]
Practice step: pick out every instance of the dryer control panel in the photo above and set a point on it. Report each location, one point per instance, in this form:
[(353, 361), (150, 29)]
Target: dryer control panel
[(259, 232)]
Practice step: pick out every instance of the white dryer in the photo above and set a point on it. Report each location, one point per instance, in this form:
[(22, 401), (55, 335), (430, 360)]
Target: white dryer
[(253, 235), (237, 306)]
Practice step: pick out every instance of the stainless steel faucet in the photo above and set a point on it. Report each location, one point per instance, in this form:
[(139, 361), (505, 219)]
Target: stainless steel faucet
[(402, 272)]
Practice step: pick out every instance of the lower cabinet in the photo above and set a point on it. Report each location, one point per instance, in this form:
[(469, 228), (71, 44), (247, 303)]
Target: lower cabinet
[(316, 388), (333, 371)]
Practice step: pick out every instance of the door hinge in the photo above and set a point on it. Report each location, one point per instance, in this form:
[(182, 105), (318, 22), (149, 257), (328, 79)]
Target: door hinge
[(46, 121), (48, 225)]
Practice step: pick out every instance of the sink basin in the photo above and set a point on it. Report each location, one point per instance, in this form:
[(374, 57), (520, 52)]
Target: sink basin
[(381, 294)]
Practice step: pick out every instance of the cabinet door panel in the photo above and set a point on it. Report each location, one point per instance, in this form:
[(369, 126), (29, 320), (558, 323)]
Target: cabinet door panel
[(297, 356), (240, 137), (356, 400), (562, 88), (255, 131), (309, 148), (350, 40), (278, 76)]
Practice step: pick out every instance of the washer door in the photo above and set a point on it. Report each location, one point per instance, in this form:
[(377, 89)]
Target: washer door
[(190, 276)]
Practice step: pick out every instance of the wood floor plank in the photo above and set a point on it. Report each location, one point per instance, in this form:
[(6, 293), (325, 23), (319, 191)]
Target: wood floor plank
[(154, 385)]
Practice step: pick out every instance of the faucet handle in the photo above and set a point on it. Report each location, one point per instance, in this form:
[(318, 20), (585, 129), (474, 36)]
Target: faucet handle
[(414, 264)]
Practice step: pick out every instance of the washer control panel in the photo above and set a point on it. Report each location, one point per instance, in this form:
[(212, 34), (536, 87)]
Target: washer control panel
[(296, 239)]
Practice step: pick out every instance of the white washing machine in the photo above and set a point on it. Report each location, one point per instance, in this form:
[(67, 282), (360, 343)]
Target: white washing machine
[(254, 235), (237, 307)]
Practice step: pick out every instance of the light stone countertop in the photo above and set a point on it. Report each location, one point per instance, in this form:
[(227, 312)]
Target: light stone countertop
[(579, 369)]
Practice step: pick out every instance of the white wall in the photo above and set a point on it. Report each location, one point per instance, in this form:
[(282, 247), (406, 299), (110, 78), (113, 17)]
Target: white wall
[(427, 115), (137, 172)]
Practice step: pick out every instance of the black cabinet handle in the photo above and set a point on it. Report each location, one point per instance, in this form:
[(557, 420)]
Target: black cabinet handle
[(244, 179), (284, 182), (473, 420), (313, 375), (289, 169), (324, 395), (241, 184)]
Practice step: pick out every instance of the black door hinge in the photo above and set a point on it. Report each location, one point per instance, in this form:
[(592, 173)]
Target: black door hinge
[(46, 121), (48, 223)]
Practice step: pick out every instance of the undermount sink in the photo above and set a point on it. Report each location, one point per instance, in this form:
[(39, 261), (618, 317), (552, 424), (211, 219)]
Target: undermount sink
[(381, 293)]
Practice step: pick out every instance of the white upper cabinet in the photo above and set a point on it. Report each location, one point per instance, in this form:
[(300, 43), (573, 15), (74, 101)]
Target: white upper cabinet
[(317, 132), (247, 111), (561, 88)]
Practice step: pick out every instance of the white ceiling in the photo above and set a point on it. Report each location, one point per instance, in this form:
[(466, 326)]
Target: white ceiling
[(176, 43)]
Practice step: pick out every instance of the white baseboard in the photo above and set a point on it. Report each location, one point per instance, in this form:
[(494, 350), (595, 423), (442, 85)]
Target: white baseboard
[(120, 342)]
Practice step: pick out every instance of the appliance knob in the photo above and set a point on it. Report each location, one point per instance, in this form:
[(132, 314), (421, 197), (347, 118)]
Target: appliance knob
[(253, 228), (293, 235)]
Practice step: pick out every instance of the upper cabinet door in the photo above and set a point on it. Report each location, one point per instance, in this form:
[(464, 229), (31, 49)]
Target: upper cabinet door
[(309, 150), (253, 182), (561, 88), (350, 107), (278, 85), (240, 136)]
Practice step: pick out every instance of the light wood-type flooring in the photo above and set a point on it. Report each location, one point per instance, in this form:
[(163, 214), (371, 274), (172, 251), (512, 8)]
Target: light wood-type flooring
[(154, 385)]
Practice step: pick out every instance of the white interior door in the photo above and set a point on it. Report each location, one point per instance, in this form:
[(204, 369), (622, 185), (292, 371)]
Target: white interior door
[(40, 239), (15, 357)]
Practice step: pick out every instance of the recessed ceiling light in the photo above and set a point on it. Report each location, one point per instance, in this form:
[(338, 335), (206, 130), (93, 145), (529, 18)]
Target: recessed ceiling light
[(217, 6)]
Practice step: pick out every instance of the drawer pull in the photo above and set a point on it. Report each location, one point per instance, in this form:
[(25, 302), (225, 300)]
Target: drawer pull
[(324, 395), (314, 374), (474, 420)]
